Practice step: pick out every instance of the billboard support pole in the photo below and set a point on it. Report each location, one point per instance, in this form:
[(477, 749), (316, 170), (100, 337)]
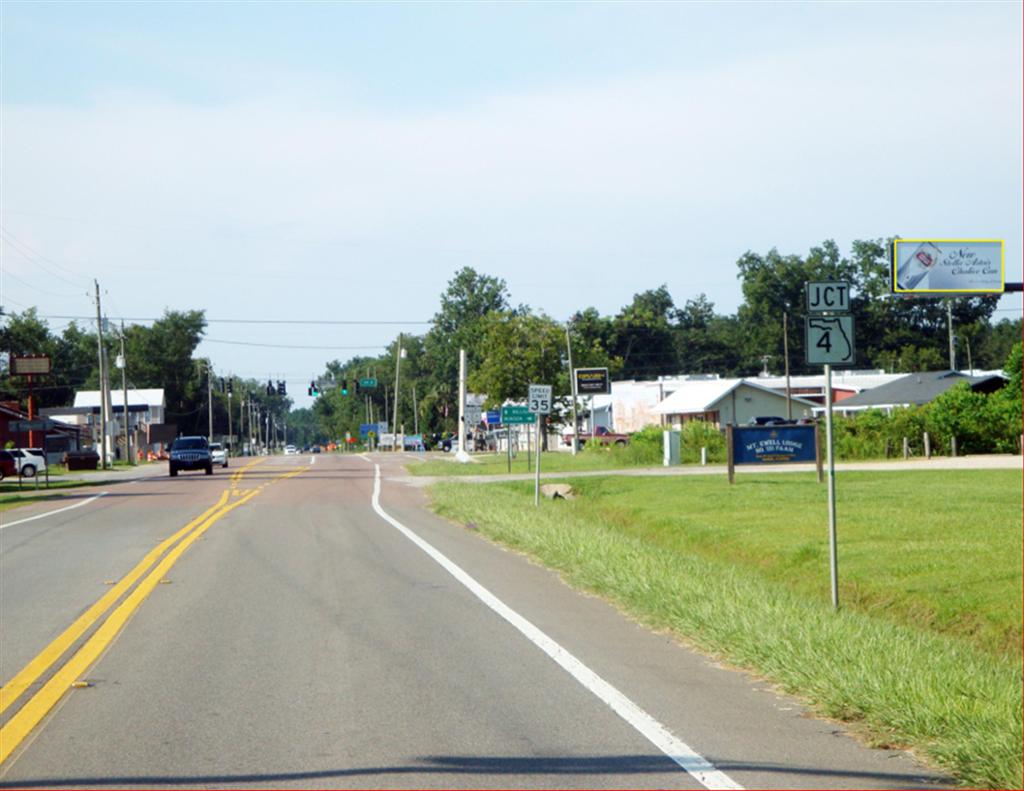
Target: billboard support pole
[(833, 559)]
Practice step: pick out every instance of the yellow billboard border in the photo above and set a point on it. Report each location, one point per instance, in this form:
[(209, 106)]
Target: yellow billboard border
[(1002, 268)]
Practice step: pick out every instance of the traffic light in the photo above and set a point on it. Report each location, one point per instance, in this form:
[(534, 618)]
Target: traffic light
[(280, 388), (314, 390), (270, 388), (344, 387), (222, 389), (231, 385)]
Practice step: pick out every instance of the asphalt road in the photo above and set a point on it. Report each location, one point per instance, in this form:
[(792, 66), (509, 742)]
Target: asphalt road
[(275, 626)]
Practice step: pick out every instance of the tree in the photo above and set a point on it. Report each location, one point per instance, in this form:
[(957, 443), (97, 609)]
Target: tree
[(523, 348), (642, 336), (467, 300)]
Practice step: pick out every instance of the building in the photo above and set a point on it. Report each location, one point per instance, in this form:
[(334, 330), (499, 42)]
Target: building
[(845, 384), (145, 408), (916, 389), (61, 438), (728, 401)]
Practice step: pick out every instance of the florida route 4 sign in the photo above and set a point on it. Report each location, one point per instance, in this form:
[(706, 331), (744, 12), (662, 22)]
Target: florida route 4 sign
[(829, 340)]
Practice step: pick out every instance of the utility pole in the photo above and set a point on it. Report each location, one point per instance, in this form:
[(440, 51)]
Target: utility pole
[(785, 353), (415, 413), (231, 438), (462, 455), (952, 343), (124, 387), (572, 380), (209, 396), (398, 369), (103, 391)]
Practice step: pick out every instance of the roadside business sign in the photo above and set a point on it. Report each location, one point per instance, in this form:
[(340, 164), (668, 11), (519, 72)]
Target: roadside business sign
[(829, 340), (945, 267), (774, 444), (516, 416), (538, 399), (592, 381), (32, 365), (828, 297), (365, 429)]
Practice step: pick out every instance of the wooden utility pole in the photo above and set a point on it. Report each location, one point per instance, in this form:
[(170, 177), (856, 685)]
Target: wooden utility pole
[(103, 379)]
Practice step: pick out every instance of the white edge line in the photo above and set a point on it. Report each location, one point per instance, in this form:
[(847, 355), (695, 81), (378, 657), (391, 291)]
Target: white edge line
[(52, 513), (686, 757)]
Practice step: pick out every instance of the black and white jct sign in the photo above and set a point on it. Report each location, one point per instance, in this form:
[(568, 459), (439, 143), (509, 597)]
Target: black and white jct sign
[(829, 340), (828, 297), (538, 399)]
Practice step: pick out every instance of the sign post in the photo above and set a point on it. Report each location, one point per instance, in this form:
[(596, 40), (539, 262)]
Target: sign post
[(514, 416), (538, 401), (830, 341)]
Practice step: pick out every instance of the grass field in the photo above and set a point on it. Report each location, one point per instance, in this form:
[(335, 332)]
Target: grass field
[(925, 651), (497, 464)]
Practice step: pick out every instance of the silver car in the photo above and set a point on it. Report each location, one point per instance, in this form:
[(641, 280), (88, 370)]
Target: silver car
[(219, 454)]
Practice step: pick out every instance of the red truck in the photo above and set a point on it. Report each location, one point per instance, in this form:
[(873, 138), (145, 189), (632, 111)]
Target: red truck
[(604, 437)]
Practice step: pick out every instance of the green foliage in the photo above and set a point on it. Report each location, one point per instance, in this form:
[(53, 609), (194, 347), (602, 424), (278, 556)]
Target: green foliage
[(696, 434)]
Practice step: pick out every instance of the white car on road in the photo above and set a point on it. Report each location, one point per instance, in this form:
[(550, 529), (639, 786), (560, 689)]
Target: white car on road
[(219, 454)]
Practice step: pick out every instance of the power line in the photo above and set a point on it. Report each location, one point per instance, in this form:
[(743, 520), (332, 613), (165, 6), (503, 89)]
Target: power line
[(348, 322), (288, 346)]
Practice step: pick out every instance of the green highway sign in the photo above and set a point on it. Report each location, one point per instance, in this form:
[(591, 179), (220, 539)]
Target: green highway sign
[(367, 384), (516, 415)]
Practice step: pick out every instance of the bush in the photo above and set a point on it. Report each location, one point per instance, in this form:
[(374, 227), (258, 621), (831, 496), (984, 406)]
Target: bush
[(697, 434)]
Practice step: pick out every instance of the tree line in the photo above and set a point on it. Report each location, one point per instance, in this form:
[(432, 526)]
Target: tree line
[(510, 345)]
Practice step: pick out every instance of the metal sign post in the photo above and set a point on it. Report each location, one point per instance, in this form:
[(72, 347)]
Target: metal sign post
[(830, 341), (832, 553), (538, 401)]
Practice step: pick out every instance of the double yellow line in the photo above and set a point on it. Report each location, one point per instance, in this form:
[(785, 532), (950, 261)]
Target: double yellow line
[(28, 716)]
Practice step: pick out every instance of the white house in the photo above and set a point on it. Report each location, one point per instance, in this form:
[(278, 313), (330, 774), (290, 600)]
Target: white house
[(725, 401)]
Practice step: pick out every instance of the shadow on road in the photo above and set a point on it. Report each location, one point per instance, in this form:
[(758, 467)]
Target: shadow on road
[(495, 765)]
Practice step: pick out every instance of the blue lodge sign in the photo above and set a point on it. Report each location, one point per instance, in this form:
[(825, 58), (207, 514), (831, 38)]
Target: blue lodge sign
[(772, 445)]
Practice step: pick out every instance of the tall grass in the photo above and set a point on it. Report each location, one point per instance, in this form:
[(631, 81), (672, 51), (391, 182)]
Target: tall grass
[(903, 684)]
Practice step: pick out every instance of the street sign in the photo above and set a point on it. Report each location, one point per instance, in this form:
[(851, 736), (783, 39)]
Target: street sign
[(592, 381), (829, 340), (493, 417), (828, 297), (31, 425), (516, 416), (538, 400), (368, 383), (473, 414), (366, 428)]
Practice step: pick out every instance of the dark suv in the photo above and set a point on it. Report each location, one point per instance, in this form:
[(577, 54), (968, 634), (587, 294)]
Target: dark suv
[(191, 453)]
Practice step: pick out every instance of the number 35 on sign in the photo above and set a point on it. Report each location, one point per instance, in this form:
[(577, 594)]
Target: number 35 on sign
[(538, 399)]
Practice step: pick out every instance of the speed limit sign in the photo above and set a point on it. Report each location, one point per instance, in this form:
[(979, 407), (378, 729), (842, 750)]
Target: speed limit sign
[(538, 401)]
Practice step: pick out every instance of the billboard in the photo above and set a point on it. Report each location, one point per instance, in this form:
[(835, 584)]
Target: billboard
[(32, 365), (592, 381), (948, 266)]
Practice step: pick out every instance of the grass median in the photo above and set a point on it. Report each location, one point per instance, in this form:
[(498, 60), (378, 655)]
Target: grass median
[(925, 651)]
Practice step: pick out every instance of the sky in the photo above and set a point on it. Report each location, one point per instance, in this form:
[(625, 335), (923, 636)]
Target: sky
[(341, 161)]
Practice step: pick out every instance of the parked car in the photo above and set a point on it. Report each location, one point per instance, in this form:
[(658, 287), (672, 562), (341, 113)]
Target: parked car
[(219, 454), (8, 465), (29, 460), (190, 453), (604, 437), (770, 420)]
